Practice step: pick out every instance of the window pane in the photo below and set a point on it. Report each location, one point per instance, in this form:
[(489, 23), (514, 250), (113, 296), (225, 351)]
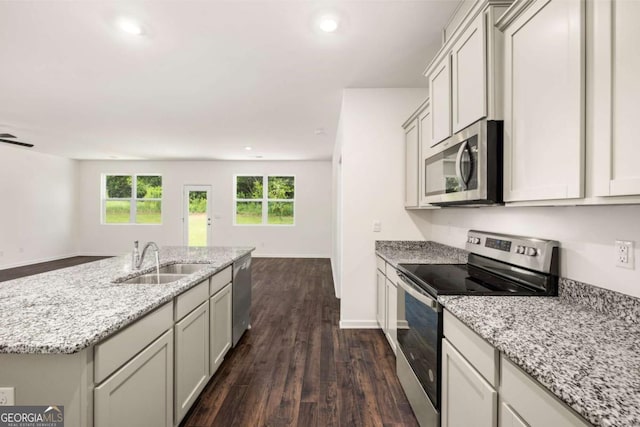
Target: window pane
[(197, 218), (281, 187), (280, 213), (117, 211), (149, 187), (148, 212), (248, 212), (118, 186), (249, 187)]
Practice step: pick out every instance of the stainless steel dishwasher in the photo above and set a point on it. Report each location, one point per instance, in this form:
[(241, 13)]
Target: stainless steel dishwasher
[(241, 296)]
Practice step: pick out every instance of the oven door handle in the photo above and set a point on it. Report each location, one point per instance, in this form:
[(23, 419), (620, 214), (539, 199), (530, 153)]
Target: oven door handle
[(425, 299)]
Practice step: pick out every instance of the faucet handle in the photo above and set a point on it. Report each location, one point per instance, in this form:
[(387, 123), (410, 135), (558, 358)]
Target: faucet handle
[(135, 244)]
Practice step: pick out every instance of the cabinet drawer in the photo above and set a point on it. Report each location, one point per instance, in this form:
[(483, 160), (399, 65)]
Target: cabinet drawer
[(115, 351), (191, 299), (381, 265), (535, 404), (220, 280), (482, 355)]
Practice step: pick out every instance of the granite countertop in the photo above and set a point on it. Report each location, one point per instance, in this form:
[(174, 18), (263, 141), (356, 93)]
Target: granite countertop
[(419, 252), (583, 346), (67, 310), (589, 360)]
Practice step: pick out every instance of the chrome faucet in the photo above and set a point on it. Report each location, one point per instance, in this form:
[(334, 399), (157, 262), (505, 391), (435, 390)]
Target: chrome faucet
[(137, 258)]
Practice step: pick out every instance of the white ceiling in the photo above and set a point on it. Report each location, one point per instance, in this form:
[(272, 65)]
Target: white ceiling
[(207, 79)]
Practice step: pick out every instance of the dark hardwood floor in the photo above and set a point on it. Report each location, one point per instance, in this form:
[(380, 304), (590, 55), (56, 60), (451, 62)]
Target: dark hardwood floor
[(43, 267), (295, 367)]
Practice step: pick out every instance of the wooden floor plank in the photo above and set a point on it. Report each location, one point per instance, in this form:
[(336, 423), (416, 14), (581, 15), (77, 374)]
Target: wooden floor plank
[(296, 367), (43, 267)]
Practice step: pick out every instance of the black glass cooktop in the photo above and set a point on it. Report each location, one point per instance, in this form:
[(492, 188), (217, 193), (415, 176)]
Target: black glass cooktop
[(457, 279)]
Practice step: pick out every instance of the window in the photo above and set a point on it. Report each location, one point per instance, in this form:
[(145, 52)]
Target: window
[(132, 199), (264, 200)]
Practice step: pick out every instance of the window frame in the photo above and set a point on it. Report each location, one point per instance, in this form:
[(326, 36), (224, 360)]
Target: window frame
[(132, 200), (264, 200)]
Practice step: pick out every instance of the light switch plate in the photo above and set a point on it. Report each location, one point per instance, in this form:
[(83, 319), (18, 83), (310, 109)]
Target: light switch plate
[(377, 226)]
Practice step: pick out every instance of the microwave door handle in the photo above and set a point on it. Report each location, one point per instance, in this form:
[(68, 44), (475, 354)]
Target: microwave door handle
[(461, 151)]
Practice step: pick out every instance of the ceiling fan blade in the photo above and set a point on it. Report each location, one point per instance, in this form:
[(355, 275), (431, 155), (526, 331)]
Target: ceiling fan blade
[(6, 135), (22, 144)]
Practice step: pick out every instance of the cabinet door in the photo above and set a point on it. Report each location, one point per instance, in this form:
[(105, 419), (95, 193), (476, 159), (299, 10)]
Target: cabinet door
[(467, 398), (192, 358), (440, 94), (392, 314), (141, 392), (544, 102), (615, 90), (381, 305), (220, 327), (469, 76), (424, 132), (411, 165), (509, 417)]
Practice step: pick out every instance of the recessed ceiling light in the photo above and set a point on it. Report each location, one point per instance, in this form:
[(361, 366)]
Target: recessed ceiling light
[(248, 148), (328, 24), (130, 26)]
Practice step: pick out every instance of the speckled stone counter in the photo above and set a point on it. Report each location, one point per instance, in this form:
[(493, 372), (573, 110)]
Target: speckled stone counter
[(583, 346), (419, 252), (66, 310)]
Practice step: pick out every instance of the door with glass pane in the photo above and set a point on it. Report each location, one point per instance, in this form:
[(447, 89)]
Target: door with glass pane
[(197, 215)]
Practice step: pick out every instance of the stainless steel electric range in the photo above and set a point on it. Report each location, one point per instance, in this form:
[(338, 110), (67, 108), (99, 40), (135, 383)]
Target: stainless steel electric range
[(498, 264)]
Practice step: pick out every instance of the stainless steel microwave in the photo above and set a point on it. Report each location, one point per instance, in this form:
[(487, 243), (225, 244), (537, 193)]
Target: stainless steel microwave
[(467, 168)]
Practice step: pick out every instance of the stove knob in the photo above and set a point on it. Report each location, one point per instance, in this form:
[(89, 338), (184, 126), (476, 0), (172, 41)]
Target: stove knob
[(520, 249), (531, 252), (476, 240)]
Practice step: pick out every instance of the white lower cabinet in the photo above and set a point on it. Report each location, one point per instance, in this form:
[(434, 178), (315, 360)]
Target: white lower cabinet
[(192, 358), (467, 398), (141, 392), (220, 327), (481, 387), (381, 300), (525, 402)]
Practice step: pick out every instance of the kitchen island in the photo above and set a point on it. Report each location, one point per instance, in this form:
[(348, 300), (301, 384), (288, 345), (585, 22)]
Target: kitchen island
[(65, 332)]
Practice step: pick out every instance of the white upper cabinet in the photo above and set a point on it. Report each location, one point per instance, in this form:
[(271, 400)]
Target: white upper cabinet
[(544, 100), (465, 77), (615, 90), (424, 131), (469, 72), (440, 93), (411, 155)]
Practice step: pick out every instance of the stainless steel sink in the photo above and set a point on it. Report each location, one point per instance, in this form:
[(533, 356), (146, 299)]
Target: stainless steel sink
[(182, 268), (154, 279)]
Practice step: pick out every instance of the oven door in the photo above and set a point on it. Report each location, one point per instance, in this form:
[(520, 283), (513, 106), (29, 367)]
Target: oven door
[(457, 174), (420, 336)]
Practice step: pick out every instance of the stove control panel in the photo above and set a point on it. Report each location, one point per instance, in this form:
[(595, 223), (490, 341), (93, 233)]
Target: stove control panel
[(525, 250), (528, 252)]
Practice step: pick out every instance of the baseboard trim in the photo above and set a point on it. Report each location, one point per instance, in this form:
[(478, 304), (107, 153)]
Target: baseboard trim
[(36, 261), (359, 324), (260, 255)]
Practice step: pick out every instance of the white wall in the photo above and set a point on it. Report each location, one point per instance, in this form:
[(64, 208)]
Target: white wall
[(372, 150), (37, 195), (586, 235), (310, 237)]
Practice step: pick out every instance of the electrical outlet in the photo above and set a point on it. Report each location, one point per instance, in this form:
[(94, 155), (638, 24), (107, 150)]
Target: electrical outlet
[(7, 396), (625, 255), (377, 226)]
